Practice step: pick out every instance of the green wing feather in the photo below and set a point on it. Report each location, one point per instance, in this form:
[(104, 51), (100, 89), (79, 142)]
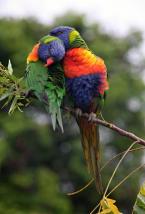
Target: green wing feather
[(48, 86)]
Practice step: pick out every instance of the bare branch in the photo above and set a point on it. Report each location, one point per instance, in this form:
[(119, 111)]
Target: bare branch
[(115, 128)]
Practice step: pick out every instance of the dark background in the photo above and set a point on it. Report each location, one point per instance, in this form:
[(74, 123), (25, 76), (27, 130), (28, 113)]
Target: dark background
[(39, 166)]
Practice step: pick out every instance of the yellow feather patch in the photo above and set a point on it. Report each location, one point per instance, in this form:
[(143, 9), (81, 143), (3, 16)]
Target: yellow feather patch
[(73, 35), (47, 39)]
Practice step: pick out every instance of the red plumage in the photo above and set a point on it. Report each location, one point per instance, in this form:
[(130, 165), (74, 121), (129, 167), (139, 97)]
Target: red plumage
[(80, 61)]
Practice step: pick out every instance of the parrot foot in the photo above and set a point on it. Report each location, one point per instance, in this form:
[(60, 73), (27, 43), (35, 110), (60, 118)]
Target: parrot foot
[(91, 117), (78, 112)]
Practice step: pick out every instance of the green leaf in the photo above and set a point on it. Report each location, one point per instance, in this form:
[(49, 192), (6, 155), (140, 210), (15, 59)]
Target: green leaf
[(10, 69), (4, 96), (139, 207), (13, 105)]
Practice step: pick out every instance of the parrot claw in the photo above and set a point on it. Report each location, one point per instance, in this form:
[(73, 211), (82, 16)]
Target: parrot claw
[(91, 117), (78, 112)]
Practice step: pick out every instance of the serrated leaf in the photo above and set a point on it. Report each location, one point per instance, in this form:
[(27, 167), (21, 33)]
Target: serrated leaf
[(139, 207), (10, 69)]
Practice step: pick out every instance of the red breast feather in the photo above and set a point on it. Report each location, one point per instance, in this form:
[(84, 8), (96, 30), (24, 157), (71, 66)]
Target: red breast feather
[(80, 61)]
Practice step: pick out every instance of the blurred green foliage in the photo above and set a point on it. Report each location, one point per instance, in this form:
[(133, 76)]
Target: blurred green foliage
[(38, 166), (139, 207)]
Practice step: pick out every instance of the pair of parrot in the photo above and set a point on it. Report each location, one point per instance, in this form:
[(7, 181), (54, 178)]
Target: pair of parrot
[(59, 65)]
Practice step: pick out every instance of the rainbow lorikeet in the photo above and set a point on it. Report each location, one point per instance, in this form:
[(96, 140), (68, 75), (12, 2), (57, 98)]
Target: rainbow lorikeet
[(86, 83), (44, 75)]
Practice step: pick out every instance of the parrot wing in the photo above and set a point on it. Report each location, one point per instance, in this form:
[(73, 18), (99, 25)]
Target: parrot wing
[(48, 86)]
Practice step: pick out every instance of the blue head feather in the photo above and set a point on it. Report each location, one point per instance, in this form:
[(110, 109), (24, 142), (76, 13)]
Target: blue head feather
[(62, 32), (54, 49)]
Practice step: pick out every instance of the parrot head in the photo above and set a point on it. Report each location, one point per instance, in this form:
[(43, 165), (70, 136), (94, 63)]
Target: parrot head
[(50, 49), (67, 34)]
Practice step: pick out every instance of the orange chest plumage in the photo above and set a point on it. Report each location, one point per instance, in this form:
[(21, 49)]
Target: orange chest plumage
[(80, 61)]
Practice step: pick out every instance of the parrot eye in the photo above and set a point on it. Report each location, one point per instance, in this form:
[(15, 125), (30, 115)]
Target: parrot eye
[(59, 33)]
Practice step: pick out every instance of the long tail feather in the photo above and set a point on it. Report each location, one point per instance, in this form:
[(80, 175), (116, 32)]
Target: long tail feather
[(90, 144), (59, 119), (55, 117)]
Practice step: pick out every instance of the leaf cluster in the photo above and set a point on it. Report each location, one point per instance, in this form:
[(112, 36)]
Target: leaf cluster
[(12, 89)]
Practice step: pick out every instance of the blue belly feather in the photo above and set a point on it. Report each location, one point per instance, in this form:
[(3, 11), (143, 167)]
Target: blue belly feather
[(83, 89)]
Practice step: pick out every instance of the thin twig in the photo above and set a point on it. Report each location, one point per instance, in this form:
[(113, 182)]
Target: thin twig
[(116, 168), (106, 164), (124, 179)]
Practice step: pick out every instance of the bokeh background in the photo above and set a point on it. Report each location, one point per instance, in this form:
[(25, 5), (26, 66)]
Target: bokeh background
[(39, 166)]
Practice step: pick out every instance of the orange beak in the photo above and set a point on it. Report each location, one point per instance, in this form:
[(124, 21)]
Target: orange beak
[(49, 62)]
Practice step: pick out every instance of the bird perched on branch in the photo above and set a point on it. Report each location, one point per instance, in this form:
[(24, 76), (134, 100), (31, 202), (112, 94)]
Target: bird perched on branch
[(45, 77), (86, 83)]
